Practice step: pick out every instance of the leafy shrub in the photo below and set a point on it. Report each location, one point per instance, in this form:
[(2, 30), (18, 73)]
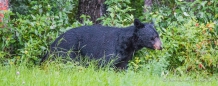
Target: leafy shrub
[(189, 40), (30, 31), (117, 13), (42, 7)]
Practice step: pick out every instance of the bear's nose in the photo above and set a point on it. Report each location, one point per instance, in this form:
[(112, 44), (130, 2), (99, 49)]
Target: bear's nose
[(158, 44)]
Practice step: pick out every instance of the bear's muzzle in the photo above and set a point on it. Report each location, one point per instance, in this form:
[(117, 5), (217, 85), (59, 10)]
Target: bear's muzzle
[(158, 44)]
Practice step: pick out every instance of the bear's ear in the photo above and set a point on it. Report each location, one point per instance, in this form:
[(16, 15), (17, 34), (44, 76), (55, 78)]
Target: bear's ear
[(138, 24)]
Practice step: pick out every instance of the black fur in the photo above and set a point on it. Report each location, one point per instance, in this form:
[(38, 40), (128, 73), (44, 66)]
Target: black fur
[(110, 43)]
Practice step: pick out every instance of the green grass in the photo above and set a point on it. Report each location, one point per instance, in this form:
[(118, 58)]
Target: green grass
[(68, 75)]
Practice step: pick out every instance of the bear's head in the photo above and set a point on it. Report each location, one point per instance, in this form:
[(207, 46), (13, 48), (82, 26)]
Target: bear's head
[(147, 35)]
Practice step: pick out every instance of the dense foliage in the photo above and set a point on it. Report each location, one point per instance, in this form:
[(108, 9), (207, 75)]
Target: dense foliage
[(189, 32)]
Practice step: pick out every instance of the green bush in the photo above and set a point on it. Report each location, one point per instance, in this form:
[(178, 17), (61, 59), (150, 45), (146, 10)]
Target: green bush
[(189, 40), (118, 13), (26, 7), (29, 32)]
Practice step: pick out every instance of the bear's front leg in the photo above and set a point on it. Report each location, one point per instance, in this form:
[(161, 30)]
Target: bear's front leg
[(122, 65)]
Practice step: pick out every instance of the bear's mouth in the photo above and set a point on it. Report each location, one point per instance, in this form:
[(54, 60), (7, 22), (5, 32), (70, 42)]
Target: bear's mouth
[(157, 47)]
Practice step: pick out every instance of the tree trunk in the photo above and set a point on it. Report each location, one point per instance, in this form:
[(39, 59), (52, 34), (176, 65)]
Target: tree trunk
[(92, 8), (147, 5)]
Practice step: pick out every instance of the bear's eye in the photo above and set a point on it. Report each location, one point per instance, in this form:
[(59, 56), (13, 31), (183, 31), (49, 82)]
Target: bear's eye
[(152, 38)]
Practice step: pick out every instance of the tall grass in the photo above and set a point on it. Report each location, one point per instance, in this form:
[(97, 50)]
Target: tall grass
[(70, 75)]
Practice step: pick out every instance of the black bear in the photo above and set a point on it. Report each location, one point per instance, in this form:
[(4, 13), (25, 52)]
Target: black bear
[(97, 42)]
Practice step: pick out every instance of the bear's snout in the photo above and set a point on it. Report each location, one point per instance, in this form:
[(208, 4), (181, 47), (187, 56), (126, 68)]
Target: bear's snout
[(158, 44)]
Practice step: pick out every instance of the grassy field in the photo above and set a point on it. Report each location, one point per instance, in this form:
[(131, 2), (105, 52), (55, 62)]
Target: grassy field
[(68, 75)]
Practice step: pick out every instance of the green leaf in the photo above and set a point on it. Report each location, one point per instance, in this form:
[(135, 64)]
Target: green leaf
[(186, 14)]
